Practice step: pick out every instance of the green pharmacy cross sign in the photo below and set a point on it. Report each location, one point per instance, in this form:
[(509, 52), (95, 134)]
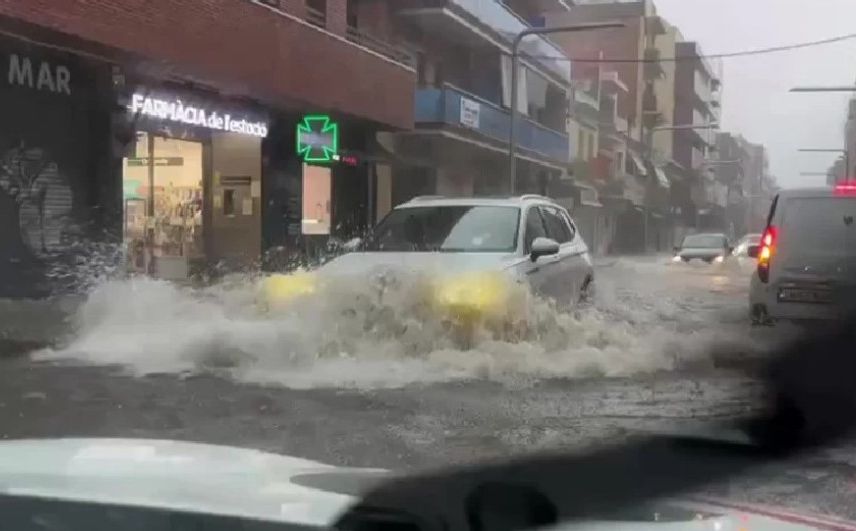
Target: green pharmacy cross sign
[(317, 138)]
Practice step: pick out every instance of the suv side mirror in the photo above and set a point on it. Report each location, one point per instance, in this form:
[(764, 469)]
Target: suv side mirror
[(753, 250), (543, 247)]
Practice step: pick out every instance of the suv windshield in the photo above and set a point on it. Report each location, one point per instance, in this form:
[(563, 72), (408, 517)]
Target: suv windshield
[(705, 241), (454, 228)]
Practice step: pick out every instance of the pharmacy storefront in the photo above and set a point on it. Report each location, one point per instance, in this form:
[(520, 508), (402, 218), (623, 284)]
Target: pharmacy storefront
[(191, 182)]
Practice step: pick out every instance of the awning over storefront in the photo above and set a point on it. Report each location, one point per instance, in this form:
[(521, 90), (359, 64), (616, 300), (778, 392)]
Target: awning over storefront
[(675, 171), (588, 195), (662, 180), (641, 171)]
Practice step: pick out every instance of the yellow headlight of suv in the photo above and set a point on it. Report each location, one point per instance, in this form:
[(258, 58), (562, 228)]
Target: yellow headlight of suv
[(278, 290), (478, 294)]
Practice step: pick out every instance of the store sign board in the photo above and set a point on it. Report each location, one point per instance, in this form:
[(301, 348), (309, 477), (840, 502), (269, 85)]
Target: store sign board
[(158, 161), (588, 195), (173, 109), (236, 180), (470, 113), (318, 139), (36, 74)]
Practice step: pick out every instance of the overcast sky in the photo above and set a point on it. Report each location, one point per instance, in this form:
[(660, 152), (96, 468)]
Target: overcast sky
[(756, 102)]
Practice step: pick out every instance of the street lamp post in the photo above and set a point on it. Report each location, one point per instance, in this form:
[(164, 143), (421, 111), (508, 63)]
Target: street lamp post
[(515, 65), (845, 88), (824, 89)]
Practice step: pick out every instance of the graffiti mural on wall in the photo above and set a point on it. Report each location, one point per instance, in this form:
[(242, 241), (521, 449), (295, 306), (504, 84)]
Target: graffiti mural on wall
[(39, 197), (57, 188)]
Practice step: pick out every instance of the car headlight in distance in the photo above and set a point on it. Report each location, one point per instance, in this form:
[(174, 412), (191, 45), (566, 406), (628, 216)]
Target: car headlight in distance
[(719, 259), (477, 294), (279, 289)]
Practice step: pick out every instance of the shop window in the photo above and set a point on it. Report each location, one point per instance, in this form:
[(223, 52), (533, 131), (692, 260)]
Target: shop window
[(316, 200), (229, 202), (421, 70), (316, 12), (536, 93), (352, 11)]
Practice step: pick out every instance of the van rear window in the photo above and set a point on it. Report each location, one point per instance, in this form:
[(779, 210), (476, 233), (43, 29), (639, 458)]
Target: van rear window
[(820, 222)]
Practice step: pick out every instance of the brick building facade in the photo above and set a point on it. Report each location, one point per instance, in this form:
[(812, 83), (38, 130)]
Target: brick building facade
[(241, 194)]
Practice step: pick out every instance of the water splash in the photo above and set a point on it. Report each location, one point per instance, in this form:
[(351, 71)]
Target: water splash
[(349, 336)]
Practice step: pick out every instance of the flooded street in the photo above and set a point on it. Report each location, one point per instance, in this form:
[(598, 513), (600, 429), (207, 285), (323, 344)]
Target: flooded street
[(665, 347)]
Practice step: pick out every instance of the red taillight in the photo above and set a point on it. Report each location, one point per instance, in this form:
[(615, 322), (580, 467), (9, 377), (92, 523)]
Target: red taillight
[(766, 251), (845, 188)]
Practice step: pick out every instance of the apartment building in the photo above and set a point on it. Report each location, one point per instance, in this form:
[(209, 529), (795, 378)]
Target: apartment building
[(730, 169), (460, 141), (633, 186), (696, 198)]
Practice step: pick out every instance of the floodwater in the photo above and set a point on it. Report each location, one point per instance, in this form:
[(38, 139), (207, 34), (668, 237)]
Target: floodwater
[(349, 378), (649, 315)]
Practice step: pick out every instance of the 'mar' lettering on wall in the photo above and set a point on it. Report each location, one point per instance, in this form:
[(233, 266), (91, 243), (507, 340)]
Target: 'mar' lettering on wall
[(40, 75)]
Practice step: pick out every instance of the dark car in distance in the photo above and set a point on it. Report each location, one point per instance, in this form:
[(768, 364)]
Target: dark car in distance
[(712, 247)]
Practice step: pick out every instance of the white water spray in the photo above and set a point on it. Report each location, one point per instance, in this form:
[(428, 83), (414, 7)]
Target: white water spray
[(345, 337)]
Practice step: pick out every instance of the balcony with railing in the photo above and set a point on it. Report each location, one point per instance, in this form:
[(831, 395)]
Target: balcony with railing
[(705, 102), (475, 23), (612, 133), (315, 13), (649, 101), (656, 25), (586, 107), (367, 40), (533, 10), (451, 107), (612, 126), (316, 17), (653, 68), (610, 83)]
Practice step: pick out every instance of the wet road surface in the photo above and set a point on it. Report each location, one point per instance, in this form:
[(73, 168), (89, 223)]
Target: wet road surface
[(684, 334)]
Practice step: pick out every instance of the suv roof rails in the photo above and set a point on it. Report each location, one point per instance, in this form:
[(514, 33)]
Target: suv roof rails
[(536, 196), (427, 197)]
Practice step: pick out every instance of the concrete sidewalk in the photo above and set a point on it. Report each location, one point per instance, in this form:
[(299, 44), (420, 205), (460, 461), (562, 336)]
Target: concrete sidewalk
[(28, 324)]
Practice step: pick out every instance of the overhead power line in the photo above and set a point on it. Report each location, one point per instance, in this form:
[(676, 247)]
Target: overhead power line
[(743, 53)]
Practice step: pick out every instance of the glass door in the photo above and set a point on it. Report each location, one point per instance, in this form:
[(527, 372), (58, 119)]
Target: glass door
[(163, 189)]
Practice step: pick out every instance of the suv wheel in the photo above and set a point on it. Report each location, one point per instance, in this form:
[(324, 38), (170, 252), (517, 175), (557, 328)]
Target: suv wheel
[(587, 291)]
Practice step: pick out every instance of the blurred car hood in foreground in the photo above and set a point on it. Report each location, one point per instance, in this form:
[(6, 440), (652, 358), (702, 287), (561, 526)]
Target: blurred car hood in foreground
[(228, 481), (182, 476)]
